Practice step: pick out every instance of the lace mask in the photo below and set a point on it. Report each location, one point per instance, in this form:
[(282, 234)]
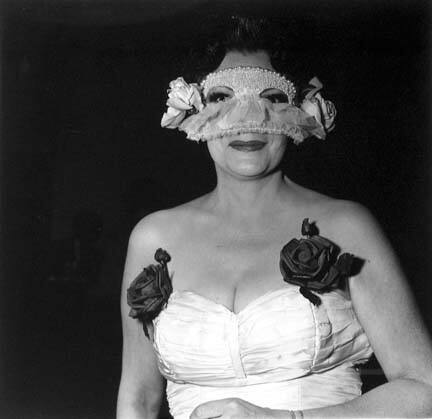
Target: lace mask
[(248, 105), (249, 81)]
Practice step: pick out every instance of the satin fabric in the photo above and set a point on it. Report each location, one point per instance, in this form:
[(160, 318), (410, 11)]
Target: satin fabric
[(280, 351)]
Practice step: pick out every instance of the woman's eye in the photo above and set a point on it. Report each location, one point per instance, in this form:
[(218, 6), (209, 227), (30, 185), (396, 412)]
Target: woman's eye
[(276, 97), (217, 97)]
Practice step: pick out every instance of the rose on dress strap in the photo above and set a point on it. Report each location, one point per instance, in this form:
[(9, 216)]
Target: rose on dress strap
[(183, 99), (313, 263), (150, 290), (314, 104)]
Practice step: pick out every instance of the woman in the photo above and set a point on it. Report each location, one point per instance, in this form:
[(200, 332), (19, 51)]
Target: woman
[(234, 339)]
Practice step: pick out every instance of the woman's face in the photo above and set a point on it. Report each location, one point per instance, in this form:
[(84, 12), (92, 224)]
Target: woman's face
[(246, 155)]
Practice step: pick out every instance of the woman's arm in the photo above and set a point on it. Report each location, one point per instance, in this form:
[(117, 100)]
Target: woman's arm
[(387, 311), (141, 384)]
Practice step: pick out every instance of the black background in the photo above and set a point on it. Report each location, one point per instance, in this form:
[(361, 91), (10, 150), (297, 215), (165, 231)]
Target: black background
[(83, 90)]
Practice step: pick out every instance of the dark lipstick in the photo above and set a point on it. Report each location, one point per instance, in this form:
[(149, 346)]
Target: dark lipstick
[(247, 145)]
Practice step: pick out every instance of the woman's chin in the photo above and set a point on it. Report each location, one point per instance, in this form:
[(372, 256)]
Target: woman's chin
[(248, 170)]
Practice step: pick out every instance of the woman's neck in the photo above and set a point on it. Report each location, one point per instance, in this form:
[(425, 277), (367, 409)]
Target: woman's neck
[(248, 198)]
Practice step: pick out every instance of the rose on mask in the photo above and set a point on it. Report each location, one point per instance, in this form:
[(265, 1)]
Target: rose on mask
[(313, 263), (183, 98), (150, 290), (324, 111), (172, 118)]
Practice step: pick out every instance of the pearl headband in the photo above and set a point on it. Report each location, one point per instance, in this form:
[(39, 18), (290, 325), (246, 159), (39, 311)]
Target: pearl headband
[(244, 80)]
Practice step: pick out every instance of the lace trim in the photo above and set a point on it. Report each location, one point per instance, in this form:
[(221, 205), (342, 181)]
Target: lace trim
[(293, 132), (241, 116)]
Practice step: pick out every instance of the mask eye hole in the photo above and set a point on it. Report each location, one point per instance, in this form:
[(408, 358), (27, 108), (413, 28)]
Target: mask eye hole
[(219, 94), (274, 95)]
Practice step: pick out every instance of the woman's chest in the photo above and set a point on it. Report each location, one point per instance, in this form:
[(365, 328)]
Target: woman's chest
[(231, 269)]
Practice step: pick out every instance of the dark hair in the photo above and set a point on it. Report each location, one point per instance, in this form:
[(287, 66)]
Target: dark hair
[(246, 34)]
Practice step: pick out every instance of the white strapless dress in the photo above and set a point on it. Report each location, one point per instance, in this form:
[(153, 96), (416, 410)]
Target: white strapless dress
[(280, 351)]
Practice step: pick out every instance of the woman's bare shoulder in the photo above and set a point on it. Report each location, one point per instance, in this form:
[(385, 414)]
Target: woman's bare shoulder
[(344, 220), (331, 209), (345, 213), (351, 225), (349, 216), (164, 225)]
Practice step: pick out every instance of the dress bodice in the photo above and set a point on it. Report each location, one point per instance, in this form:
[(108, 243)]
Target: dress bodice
[(267, 353)]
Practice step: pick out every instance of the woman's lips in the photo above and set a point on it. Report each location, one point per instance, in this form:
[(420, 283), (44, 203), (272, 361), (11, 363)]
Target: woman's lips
[(247, 145)]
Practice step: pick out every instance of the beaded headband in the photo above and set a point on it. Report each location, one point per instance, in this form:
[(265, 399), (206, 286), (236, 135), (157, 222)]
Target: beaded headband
[(249, 79)]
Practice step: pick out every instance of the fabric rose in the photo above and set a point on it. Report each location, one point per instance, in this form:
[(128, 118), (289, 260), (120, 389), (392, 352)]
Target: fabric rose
[(313, 263), (172, 118), (150, 290), (314, 104), (183, 99)]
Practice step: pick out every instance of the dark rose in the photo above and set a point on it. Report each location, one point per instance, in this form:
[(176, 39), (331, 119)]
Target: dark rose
[(313, 263), (150, 290)]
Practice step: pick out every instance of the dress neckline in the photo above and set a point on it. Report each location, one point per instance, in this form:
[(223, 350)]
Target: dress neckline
[(250, 304)]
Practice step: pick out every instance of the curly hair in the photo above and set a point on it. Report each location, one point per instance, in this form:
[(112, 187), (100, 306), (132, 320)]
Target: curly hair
[(222, 34)]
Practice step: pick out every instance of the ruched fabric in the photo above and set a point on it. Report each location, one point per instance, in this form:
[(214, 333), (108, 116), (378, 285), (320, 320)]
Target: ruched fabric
[(251, 114), (280, 351)]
